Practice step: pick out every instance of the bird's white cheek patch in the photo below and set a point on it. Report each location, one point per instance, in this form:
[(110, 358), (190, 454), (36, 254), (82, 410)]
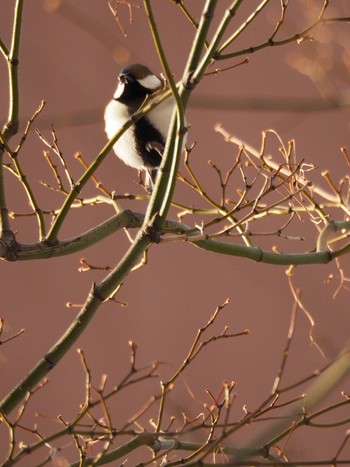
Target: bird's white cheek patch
[(119, 91), (151, 82)]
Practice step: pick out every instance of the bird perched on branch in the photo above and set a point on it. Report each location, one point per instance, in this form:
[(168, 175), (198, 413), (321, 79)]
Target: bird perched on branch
[(142, 145)]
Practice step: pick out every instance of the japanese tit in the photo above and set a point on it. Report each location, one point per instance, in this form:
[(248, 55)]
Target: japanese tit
[(142, 145)]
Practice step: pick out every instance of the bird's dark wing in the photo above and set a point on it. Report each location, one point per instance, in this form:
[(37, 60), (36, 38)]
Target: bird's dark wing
[(149, 143)]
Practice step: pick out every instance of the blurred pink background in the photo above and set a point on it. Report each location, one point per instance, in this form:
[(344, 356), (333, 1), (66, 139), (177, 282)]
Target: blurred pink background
[(73, 64)]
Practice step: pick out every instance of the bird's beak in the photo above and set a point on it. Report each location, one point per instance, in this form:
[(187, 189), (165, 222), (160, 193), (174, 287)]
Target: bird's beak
[(122, 79)]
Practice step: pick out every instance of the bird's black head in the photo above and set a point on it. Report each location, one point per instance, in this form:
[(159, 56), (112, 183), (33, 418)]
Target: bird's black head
[(135, 83)]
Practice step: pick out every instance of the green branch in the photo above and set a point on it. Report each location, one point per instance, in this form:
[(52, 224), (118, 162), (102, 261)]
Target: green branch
[(11, 126), (239, 31), (273, 43), (214, 44), (181, 231), (163, 192), (162, 196), (41, 250)]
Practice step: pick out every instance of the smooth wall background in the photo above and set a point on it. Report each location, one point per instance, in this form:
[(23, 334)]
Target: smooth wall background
[(71, 53)]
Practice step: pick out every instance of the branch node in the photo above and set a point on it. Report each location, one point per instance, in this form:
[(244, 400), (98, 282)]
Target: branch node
[(96, 293), (51, 364), (9, 247)]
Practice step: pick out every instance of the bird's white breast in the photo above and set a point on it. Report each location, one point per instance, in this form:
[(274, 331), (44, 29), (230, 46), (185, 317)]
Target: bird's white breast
[(116, 115)]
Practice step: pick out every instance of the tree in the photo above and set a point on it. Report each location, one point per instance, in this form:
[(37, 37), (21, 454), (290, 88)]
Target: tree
[(259, 200)]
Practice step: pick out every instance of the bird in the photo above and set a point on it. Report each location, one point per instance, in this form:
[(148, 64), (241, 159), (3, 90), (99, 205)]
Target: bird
[(142, 145)]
